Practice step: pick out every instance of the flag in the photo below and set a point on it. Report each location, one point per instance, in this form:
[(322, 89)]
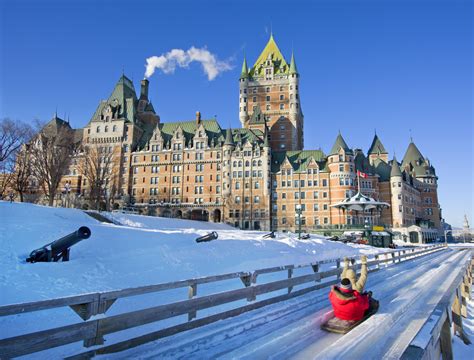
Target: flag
[(361, 174)]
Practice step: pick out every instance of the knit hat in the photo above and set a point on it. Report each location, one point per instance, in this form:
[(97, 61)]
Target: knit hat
[(346, 284)]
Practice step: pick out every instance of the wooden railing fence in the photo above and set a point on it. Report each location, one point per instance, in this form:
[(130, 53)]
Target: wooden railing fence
[(92, 332), (434, 339)]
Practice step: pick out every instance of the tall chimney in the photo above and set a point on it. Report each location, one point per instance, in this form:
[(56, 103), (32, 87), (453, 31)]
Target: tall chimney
[(198, 117), (144, 89)]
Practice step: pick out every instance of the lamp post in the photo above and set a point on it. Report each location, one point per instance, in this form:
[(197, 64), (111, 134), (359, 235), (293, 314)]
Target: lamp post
[(446, 236), (298, 217)]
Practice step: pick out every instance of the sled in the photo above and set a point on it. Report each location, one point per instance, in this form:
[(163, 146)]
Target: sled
[(339, 326)]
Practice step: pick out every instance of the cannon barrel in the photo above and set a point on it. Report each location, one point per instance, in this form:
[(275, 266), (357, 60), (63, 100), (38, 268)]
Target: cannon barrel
[(59, 249), (208, 237), (69, 240)]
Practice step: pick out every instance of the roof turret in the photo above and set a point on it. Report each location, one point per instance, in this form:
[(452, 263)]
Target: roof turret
[(228, 137), (395, 171), (245, 71), (339, 143), (293, 69), (377, 147)]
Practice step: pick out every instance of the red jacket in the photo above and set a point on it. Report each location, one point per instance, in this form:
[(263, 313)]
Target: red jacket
[(348, 304)]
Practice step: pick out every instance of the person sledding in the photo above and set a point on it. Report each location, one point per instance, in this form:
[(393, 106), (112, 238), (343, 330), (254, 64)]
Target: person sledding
[(350, 304)]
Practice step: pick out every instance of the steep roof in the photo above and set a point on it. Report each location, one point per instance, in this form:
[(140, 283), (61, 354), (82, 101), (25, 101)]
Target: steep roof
[(377, 146), (293, 69), (340, 143), (382, 169), (299, 160), (412, 155), (124, 96), (258, 117), (245, 71), (362, 163), (228, 137), (54, 126), (271, 51), (395, 170), (416, 164)]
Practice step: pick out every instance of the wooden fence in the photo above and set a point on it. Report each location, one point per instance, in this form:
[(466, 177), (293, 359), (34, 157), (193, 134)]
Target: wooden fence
[(433, 340), (92, 332)]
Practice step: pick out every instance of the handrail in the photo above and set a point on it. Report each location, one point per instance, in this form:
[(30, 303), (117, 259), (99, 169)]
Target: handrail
[(93, 331)]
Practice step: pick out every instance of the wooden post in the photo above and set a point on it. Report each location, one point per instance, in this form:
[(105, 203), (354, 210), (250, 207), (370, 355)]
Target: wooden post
[(192, 292), (457, 318), (445, 341), (464, 296), (315, 270), (338, 265), (290, 275)]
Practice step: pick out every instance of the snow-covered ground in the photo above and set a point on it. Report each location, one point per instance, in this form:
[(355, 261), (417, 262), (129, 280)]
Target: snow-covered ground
[(150, 250), (144, 251), (461, 350)]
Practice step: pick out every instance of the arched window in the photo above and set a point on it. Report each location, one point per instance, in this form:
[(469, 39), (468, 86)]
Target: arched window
[(98, 129), (114, 128), (259, 162), (106, 128), (235, 164), (240, 163), (247, 163), (254, 163)]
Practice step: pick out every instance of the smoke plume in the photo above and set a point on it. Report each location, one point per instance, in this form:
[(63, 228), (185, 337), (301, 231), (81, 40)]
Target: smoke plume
[(169, 61)]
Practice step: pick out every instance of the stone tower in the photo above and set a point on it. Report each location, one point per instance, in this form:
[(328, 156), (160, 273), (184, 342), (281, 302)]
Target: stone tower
[(396, 181), (270, 89)]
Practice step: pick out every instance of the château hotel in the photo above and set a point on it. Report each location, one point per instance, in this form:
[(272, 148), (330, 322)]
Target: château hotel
[(256, 176)]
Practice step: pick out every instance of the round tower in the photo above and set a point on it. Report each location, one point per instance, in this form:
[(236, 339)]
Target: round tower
[(243, 96), (396, 191)]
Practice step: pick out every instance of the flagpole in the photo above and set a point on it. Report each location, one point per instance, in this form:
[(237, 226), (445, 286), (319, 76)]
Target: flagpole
[(358, 181)]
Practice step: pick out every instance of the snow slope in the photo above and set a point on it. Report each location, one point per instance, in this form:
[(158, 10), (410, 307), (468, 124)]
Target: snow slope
[(146, 250)]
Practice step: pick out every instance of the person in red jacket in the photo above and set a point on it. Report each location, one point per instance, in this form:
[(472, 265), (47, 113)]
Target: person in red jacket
[(348, 304)]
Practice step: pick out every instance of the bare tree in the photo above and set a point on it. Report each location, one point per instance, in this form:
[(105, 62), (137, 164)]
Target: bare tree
[(23, 172), (50, 157), (12, 136), (6, 177), (98, 168)]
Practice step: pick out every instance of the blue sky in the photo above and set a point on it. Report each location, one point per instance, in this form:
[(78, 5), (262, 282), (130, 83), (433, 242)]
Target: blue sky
[(394, 66)]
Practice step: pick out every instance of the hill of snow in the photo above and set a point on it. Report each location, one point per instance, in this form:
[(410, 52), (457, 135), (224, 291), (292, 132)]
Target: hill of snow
[(146, 250)]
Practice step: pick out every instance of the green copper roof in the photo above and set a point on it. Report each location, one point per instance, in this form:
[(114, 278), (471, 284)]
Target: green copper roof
[(245, 71), (395, 170), (124, 96), (273, 53), (257, 116), (412, 155), (362, 163), (299, 160), (340, 143), (377, 147), (293, 69), (382, 169)]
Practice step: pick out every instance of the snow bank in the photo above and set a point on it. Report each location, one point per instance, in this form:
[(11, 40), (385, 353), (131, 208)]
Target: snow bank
[(147, 250)]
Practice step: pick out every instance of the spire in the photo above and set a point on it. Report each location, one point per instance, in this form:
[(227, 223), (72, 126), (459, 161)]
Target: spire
[(293, 69), (245, 71), (395, 171), (377, 146), (339, 143), (228, 137)]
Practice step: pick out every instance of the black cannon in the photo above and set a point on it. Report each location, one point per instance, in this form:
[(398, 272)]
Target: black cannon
[(59, 249), (306, 237), (269, 235), (208, 237)]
